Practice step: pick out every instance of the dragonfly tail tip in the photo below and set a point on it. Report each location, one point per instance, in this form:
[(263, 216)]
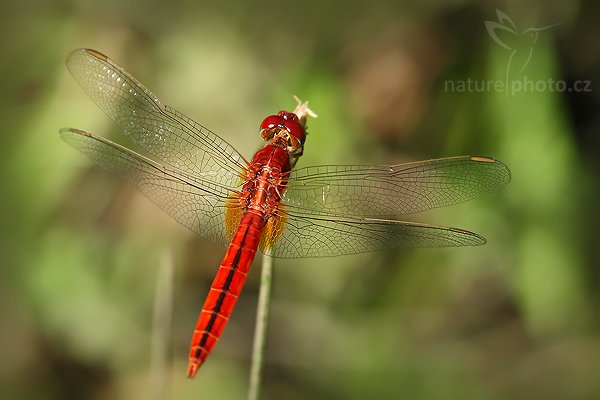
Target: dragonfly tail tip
[(192, 369)]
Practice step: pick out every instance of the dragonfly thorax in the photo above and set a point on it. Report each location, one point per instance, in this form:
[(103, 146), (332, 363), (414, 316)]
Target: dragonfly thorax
[(265, 180)]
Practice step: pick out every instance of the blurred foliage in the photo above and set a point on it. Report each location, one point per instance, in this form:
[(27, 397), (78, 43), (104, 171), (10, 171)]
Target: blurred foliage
[(80, 250)]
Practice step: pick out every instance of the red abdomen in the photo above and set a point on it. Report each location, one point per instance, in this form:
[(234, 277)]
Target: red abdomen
[(225, 289)]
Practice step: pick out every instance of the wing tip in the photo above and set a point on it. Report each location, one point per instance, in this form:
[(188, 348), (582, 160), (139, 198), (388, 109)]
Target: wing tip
[(483, 159), (90, 52), (505, 171), (475, 239), (80, 55), (65, 131), (96, 54)]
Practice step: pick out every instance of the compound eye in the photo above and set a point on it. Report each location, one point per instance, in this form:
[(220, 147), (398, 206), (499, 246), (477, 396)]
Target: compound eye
[(291, 117), (288, 115), (296, 131), (272, 121)]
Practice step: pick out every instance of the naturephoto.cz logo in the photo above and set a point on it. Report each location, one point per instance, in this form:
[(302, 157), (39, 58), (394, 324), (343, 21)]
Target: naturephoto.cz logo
[(520, 45)]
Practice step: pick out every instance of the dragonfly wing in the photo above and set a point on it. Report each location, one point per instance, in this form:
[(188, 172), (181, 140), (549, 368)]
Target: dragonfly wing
[(196, 203), (146, 120), (334, 235), (390, 191)]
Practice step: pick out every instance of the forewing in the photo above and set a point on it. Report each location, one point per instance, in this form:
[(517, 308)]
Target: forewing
[(195, 202), (391, 191), (146, 120)]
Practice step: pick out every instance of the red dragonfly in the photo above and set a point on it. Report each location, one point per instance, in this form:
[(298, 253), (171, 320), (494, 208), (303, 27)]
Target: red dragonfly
[(319, 211)]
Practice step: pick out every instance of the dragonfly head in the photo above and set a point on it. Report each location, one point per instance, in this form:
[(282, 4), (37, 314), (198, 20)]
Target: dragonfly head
[(284, 130)]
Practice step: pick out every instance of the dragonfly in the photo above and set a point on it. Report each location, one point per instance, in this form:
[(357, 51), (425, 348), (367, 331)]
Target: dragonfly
[(265, 204)]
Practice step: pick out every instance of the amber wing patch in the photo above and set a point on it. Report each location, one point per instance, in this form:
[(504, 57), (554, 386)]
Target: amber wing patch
[(233, 215), (272, 232)]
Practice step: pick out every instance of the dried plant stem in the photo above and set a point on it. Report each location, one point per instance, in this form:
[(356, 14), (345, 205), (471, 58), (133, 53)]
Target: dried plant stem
[(260, 333), (161, 325)]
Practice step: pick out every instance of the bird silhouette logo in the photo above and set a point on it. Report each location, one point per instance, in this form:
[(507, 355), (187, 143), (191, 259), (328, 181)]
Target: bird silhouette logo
[(520, 43)]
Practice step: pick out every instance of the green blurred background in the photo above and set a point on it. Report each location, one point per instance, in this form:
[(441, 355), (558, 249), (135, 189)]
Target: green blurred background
[(81, 251)]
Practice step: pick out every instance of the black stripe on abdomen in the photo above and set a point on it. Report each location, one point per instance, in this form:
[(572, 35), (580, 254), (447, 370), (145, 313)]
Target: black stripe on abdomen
[(222, 295)]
